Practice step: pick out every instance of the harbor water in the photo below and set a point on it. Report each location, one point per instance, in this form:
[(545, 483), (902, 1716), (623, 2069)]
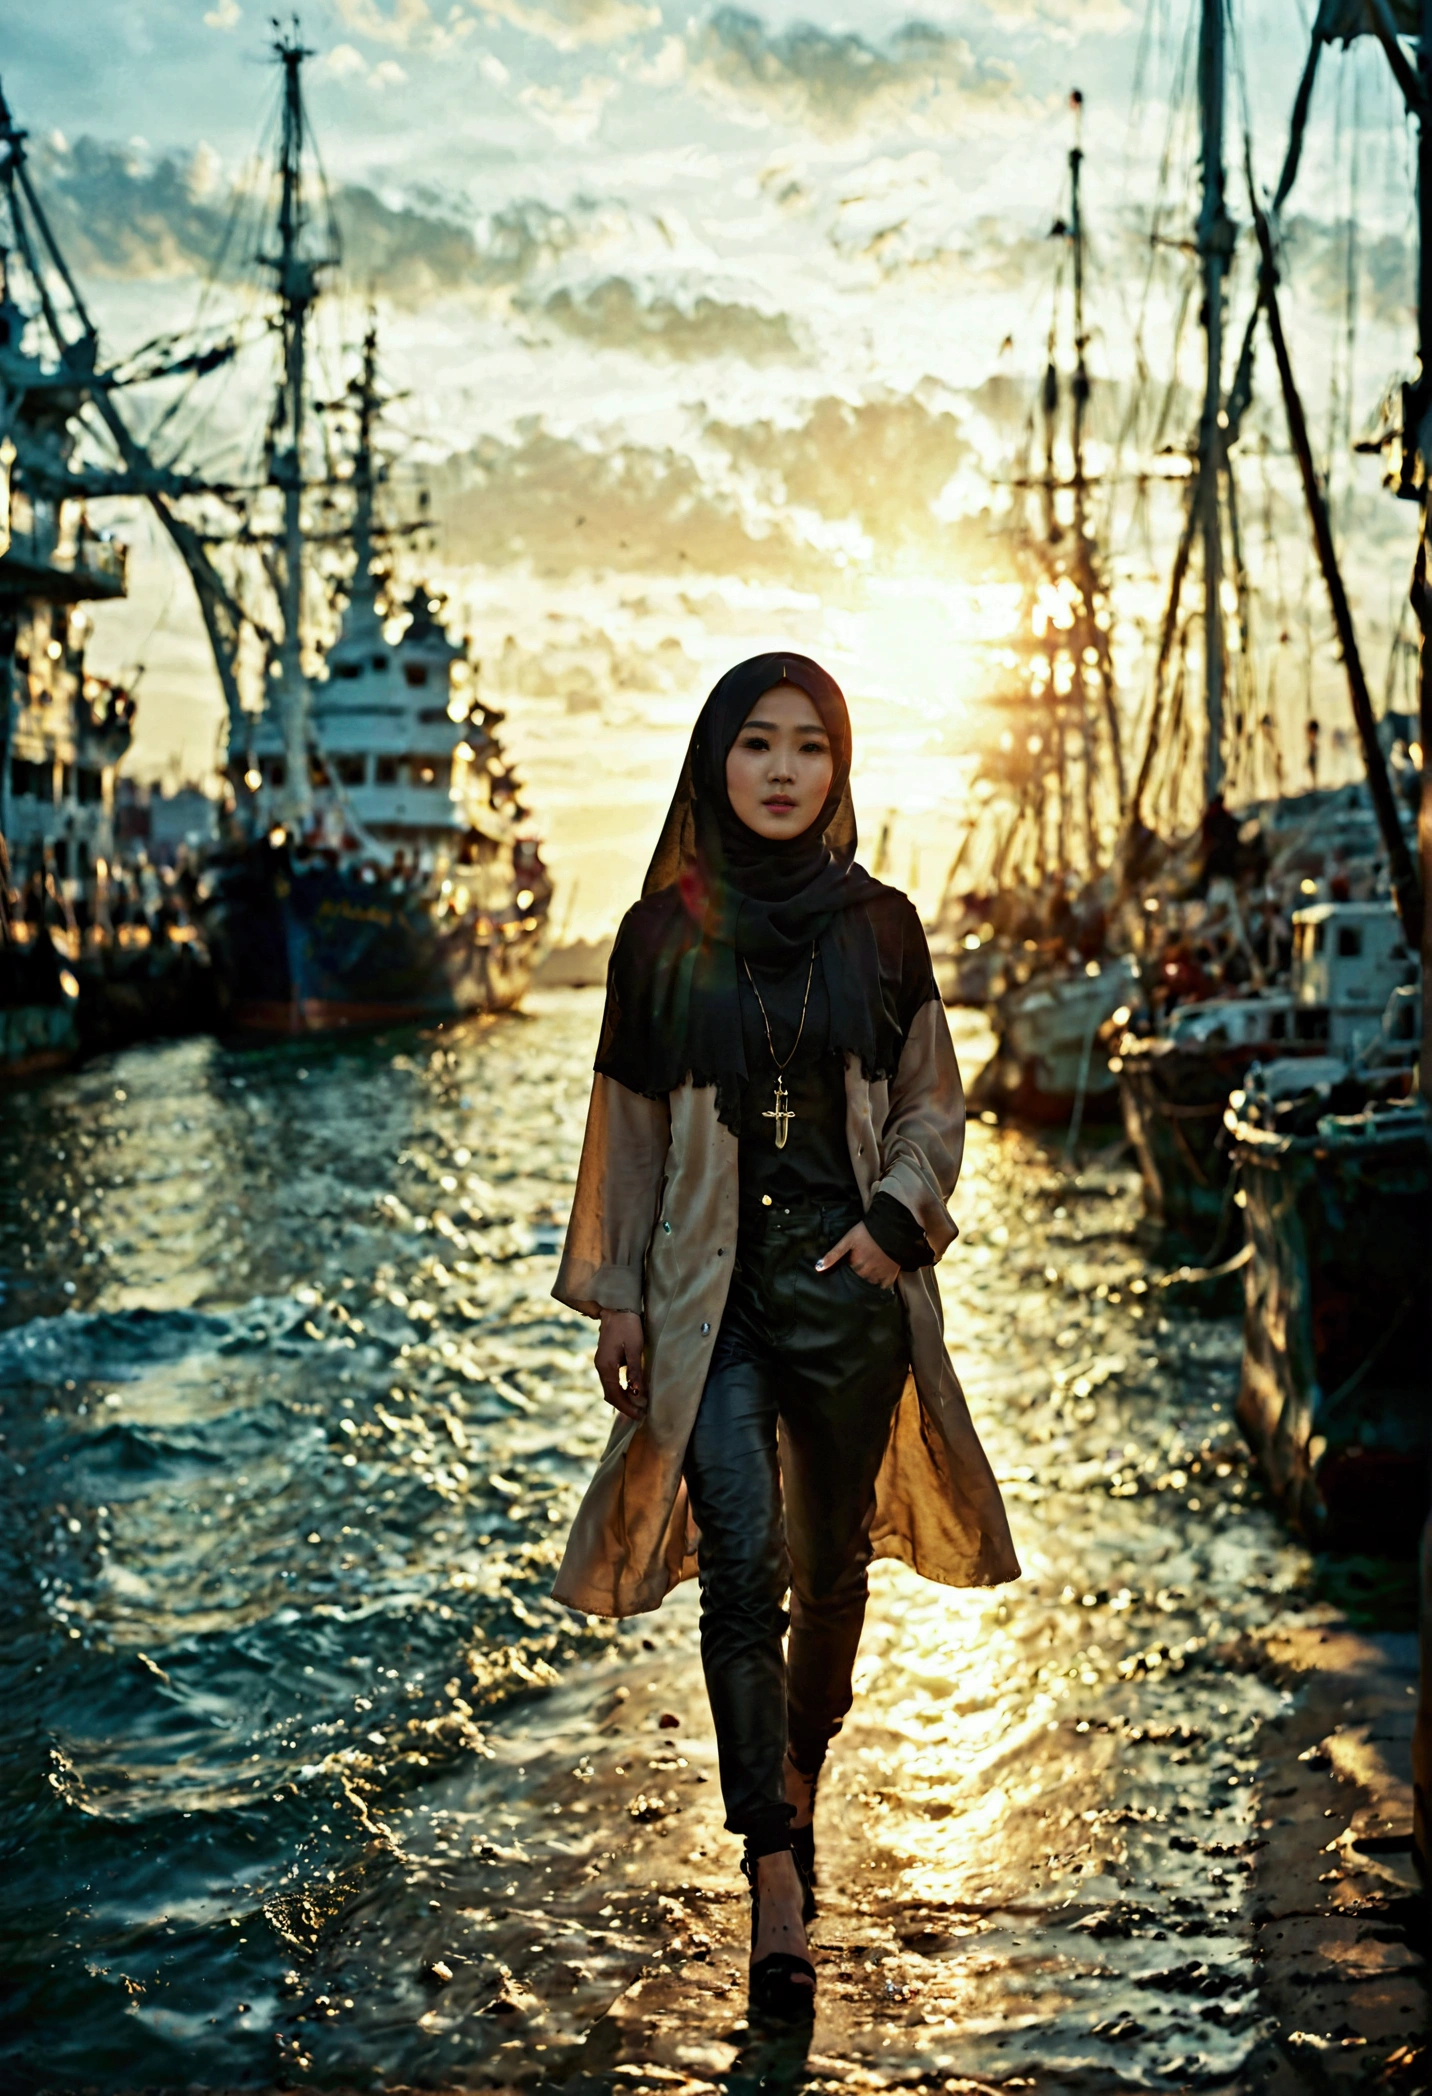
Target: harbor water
[(305, 1779)]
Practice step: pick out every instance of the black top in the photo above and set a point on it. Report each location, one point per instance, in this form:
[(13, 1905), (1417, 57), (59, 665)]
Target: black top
[(814, 1168)]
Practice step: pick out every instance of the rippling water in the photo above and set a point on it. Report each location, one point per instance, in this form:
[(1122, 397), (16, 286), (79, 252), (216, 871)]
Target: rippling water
[(292, 1428), (290, 1422)]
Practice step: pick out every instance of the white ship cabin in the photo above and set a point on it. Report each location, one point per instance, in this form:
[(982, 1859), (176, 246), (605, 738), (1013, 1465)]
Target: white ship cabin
[(1234, 1022), (402, 757), (1348, 958)]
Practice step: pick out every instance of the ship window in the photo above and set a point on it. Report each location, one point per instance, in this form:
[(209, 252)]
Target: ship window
[(1278, 1027), (385, 771), (277, 771), (22, 776), (1349, 942), (91, 785), (380, 662), (317, 772), (67, 782), (1319, 938), (62, 858), (347, 670), (351, 770), (428, 771), (416, 673)]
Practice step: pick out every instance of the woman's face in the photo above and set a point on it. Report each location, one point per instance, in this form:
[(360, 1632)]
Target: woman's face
[(780, 766)]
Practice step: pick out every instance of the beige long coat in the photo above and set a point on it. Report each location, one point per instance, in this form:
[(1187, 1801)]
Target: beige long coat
[(653, 1229)]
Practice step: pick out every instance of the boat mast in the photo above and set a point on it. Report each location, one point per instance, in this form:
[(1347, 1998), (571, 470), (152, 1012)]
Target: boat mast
[(1215, 249), (364, 390), (1080, 387), (296, 281), (1083, 564)]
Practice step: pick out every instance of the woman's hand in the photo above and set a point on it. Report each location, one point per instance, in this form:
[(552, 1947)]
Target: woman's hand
[(620, 1348), (864, 1254)]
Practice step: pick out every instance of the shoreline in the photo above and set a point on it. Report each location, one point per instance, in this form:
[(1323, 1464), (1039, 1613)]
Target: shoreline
[(601, 1943)]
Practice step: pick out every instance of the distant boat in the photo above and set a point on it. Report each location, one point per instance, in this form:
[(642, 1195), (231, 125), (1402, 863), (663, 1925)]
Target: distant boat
[(378, 864), (94, 953), (409, 894), (1024, 924)]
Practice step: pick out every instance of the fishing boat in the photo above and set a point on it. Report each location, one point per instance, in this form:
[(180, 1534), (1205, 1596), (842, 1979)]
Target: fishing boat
[(410, 887), (1334, 1167), (1349, 962), (1215, 930), (379, 865), (92, 956), (1337, 1195), (1024, 926)]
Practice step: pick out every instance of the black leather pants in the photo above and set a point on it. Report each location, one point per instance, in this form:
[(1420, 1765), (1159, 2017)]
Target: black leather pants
[(804, 1381)]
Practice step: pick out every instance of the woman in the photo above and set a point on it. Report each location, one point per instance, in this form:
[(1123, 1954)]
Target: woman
[(776, 1124)]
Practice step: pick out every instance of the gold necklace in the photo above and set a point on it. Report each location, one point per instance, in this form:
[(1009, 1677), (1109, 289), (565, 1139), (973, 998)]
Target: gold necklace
[(781, 1112)]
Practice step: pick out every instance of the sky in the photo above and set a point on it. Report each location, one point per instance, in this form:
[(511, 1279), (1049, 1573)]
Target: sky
[(714, 328)]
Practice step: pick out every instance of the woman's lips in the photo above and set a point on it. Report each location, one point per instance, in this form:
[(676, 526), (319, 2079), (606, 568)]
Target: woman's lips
[(778, 804)]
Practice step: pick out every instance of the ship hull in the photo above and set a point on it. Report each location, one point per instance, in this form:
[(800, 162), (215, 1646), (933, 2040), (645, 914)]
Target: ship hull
[(1333, 1395), (38, 1030), (1050, 1062), (315, 948), (1173, 1100)]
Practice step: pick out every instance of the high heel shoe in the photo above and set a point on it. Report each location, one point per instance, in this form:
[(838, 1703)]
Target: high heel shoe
[(775, 1988)]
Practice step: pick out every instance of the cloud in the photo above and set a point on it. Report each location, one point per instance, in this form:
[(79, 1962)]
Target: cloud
[(568, 23), (343, 62), (836, 83), (567, 507), (527, 236), (224, 14), (402, 22), (612, 315), (117, 216), (1386, 266), (883, 462), (1065, 21), (346, 62), (409, 25), (574, 118), (794, 503)]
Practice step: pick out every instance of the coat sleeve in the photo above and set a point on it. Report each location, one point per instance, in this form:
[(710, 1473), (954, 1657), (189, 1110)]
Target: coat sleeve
[(614, 1208), (923, 1141)]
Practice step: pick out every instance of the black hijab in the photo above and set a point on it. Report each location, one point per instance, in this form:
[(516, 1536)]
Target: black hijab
[(716, 895)]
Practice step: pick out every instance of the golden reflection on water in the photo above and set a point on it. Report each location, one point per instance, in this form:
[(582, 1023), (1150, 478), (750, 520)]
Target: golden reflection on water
[(348, 1429)]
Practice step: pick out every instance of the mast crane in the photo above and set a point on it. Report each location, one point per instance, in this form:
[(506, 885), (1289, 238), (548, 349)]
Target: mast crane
[(79, 361)]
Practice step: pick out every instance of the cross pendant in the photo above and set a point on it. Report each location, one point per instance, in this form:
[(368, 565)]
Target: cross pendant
[(781, 1114)]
